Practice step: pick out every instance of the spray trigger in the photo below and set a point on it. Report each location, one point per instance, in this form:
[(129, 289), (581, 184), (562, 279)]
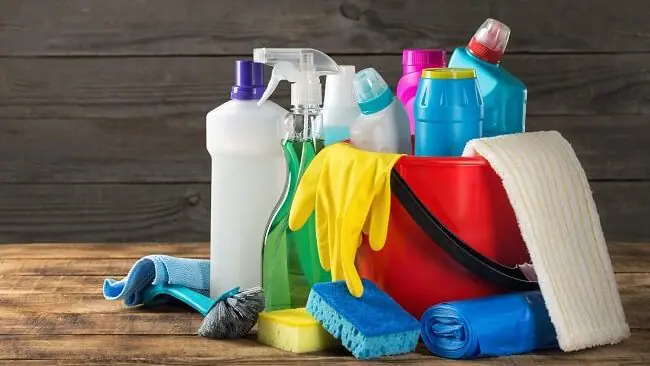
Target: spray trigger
[(275, 79)]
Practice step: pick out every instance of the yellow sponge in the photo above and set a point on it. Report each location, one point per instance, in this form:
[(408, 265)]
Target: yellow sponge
[(293, 330)]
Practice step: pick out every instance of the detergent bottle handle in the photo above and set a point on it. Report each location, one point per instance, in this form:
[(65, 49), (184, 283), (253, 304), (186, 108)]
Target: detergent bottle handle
[(502, 276)]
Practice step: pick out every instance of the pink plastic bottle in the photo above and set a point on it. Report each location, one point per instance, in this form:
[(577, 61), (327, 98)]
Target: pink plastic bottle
[(413, 62)]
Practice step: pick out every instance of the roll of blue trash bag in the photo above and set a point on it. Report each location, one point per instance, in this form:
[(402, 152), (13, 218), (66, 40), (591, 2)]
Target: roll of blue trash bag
[(491, 326)]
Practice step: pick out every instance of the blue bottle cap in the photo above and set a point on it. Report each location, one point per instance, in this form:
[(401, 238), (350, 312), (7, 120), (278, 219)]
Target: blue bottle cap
[(371, 91), (249, 80)]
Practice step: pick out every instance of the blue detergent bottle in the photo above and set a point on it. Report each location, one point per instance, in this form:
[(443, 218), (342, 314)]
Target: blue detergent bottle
[(504, 96), (448, 111)]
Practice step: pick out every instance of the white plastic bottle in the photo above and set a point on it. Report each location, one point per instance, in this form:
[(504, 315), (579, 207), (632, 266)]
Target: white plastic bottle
[(248, 176), (339, 107), (383, 125)]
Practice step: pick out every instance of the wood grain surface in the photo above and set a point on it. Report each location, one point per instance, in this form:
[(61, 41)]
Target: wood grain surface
[(52, 312), (143, 120), (164, 87), (206, 27), (172, 150), (90, 212), (181, 212), (24, 315)]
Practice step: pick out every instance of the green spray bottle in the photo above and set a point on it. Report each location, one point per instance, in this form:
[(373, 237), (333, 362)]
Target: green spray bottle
[(290, 263)]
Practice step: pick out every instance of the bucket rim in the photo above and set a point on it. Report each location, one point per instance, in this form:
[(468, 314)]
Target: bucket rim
[(445, 161)]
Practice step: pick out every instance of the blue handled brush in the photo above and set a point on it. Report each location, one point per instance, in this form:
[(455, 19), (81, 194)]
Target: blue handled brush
[(230, 316)]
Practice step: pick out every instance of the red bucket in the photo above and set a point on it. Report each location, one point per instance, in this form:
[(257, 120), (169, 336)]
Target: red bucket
[(465, 197)]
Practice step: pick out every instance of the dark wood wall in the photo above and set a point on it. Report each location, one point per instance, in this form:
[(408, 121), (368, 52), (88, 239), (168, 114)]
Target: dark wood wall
[(102, 102)]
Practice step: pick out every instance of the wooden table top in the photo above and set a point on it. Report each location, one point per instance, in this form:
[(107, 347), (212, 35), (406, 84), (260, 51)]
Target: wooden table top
[(52, 312)]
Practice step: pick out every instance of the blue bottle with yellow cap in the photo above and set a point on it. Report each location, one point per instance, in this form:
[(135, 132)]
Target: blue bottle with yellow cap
[(448, 111)]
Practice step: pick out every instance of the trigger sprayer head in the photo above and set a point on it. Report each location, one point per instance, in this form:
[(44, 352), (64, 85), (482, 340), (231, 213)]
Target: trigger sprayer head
[(300, 66)]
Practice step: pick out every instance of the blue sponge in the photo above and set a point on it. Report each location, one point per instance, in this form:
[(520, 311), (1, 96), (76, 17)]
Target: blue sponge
[(371, 326)]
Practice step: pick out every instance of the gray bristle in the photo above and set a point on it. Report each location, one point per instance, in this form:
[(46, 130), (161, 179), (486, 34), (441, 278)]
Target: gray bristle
[(235, 316)]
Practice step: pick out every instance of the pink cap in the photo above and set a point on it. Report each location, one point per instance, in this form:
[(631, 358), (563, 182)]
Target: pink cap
[(490, 41), (418, 59)]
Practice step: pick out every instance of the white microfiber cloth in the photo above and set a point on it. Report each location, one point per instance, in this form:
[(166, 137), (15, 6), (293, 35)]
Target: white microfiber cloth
[(557, 216)]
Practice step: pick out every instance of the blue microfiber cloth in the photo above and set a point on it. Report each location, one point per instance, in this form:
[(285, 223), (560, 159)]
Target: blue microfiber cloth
[(371, 326), (156, 269), (491, 326)]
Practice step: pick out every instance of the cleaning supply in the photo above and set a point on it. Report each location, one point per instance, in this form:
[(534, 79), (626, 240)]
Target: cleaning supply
[(383, 125), (558, 219), (232, 315), (349, 190), (504, 95), (490, 326), (290, 258), (248, 173), (413, 62), (339, 107), (293, 330), (369, 327), (442, 229), (448, 111), (158, 269)]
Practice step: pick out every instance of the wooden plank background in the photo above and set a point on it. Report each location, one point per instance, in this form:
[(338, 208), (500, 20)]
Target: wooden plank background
[(102, 103)]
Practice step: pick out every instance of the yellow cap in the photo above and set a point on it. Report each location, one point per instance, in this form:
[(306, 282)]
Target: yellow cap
[(448, 73)]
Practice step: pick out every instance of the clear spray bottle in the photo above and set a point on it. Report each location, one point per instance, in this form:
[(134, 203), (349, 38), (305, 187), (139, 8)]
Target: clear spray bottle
[(290, 263)]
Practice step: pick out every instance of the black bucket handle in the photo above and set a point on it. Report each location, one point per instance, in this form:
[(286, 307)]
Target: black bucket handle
[(502, 276)]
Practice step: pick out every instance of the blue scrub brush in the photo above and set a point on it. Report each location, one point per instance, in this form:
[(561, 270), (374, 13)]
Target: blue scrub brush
[(369, 327), (230, 316)]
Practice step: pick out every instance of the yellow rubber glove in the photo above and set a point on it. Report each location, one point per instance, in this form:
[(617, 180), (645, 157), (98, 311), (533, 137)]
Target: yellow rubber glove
[(349, 189)]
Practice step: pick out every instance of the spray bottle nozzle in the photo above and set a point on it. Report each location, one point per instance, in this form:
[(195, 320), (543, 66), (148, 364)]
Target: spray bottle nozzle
[(300, 66)]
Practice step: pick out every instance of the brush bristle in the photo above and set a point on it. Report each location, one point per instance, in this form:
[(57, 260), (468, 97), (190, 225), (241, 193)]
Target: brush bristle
[(235, 316)]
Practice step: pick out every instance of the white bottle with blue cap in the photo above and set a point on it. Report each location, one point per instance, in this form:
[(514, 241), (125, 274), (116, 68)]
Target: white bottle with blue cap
[(248, 174), (383, 125)]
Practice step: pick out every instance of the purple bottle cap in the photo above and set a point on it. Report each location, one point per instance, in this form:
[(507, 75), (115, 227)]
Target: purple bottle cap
[(249, 80), (417, 59)]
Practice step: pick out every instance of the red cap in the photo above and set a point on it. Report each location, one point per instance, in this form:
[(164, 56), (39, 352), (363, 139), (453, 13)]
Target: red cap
[(490, 41)]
